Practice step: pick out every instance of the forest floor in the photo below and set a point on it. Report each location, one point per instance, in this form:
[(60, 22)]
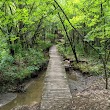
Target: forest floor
[(89, 93)]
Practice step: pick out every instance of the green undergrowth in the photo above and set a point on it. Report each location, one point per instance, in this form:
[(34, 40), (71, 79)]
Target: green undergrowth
[(88, 68), (14, 70), (65, 52), (88, 63)]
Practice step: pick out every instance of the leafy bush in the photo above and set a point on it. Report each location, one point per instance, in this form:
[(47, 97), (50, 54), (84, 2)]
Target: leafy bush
[(67, 53), (6, 61), (32, 68), (23, 64), (94, 69), (44, 45)]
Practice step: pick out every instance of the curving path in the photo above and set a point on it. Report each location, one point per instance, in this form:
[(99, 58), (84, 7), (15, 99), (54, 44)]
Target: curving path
[(56, 91)]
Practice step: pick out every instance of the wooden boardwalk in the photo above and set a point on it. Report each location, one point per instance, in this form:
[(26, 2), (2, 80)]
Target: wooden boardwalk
[(56, 92)]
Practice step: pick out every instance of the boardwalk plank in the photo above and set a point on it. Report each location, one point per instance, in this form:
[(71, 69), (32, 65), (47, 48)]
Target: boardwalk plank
[(56, 90)]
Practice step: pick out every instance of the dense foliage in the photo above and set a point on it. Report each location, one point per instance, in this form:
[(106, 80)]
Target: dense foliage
[(87, 28), (28, 27), (24, 39)]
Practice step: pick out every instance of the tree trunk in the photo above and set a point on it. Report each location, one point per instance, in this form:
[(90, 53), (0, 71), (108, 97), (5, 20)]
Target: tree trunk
[(71, 44)]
